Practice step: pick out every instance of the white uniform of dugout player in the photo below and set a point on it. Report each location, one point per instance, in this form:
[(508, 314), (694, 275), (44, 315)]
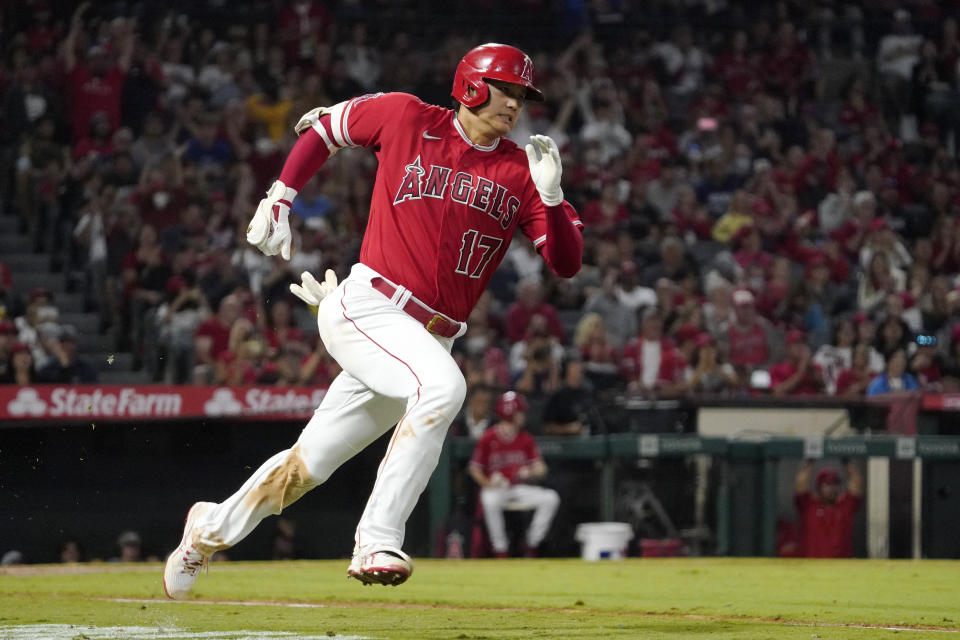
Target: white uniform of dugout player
[(448, 195), (505, 463)]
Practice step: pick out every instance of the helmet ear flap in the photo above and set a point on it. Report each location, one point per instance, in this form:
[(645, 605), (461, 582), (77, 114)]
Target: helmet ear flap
[(469, 78), (481, 93)]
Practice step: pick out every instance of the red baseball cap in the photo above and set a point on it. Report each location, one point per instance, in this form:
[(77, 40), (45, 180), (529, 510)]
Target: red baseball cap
[(686, 332), (761, 206), (795, 336), (705, 339), (861, 317), (827, 475)]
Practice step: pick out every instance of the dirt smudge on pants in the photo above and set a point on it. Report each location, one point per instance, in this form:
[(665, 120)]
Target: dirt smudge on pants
[(284, 485)]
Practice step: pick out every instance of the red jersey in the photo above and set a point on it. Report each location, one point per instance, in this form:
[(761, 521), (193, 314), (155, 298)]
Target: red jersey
[(90, 93), (748, 347), (218, 334), (443, 209), (495, 453), (827, 528), (785, 370), (672, 364)]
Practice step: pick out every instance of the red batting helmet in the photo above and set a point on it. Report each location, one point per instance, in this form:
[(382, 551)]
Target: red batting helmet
[(510, 404), (492, 61)]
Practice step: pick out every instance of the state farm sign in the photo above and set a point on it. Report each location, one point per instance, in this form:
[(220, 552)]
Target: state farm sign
[(41, 402)]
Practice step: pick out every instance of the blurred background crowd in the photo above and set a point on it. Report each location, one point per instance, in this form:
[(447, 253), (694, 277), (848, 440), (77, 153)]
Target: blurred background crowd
[(769, 190)]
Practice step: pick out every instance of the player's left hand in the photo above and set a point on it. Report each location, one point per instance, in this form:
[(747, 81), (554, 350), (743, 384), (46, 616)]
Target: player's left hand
[(546, 169), (269, 230), (311, 291)]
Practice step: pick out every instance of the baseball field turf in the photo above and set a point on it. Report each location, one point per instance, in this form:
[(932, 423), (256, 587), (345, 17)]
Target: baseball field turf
[(741, 599)]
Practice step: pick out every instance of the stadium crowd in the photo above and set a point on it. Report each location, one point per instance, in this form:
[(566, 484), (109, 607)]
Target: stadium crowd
[(765, 188)]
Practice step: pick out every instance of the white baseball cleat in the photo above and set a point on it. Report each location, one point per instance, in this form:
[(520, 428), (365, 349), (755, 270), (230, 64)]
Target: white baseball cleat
[(186, 561), (380, 564)]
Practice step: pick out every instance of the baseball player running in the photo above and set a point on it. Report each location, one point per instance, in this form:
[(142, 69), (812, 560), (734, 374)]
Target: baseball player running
[(505, 462), (449, 192)]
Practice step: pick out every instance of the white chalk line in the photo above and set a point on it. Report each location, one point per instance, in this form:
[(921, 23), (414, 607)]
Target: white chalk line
[(88, 632), (403, 605)]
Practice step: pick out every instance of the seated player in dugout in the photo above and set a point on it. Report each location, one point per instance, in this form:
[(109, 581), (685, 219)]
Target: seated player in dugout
[(449, 192), (507, 464)]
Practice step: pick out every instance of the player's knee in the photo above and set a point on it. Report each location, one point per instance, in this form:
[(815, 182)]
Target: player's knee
[(450, 388), (491, 498), (551, 498)]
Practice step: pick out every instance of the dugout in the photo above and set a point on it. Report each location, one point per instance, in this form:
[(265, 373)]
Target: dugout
[(91, 477), (728, 481)]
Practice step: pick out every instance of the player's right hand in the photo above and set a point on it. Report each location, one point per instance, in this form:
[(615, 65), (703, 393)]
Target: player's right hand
[(311, 291), (269, 230)]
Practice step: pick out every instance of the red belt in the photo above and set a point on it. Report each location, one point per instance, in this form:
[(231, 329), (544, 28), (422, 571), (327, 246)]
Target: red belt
[(433, 321)]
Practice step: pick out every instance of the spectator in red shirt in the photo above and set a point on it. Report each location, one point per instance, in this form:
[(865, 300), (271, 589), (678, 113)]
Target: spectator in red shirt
[(750, 339), (736, 68), (280, 331), (212, 337), (826, 516), (798, 375), (505, 463), (605, 215), (650, 362), (529, 303), (95, 84), (749, 248)]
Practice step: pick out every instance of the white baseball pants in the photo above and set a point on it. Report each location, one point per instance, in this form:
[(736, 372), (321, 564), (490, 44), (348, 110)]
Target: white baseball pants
[(394, 373), (542, 500)]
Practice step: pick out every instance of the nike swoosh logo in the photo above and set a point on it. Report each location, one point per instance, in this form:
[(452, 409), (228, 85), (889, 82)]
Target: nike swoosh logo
[(427, 136)]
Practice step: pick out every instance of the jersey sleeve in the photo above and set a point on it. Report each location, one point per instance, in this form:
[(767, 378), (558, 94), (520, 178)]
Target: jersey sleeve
[(364, 121), (534, 223), (481, 453), (779, 373), (530, 448)]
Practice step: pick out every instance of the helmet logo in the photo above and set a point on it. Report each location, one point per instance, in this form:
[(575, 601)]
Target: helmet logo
[(527, 73)]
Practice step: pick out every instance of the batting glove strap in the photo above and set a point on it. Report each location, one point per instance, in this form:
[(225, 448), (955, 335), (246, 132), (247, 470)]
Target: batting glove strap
[(280, 192), (269, 230)]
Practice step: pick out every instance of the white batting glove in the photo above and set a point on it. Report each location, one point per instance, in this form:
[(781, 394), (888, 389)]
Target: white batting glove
[(269, 230), (311, 291), (546, 169)]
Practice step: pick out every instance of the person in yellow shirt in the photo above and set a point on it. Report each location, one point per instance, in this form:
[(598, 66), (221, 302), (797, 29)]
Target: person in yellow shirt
[(736, 216), (267, 107)]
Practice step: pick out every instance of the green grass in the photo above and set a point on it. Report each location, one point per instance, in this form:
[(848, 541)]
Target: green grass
[(651, 598)]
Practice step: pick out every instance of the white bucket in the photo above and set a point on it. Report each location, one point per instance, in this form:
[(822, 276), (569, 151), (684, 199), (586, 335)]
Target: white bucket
[(603, 540)]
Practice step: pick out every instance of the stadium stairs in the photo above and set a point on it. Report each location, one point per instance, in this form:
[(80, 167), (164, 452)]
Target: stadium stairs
[(30, 270)]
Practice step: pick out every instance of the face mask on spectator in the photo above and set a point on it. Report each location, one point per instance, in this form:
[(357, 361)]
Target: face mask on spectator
[(265, 146), (161, 199), (476, 344)]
